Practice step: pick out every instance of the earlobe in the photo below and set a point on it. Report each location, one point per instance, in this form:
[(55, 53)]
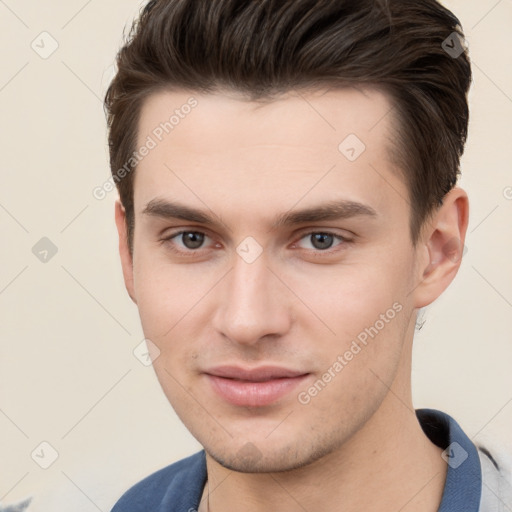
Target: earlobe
[(124, 251), (444, 242)]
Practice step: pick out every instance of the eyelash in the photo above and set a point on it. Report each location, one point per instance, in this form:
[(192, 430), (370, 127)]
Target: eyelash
[(316, 253)]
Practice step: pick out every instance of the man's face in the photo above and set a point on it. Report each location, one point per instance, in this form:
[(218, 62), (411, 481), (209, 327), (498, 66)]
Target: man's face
[(289, 300)]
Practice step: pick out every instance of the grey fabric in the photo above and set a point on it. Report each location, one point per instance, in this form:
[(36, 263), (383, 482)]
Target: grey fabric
[(496, 484), (18, 507)]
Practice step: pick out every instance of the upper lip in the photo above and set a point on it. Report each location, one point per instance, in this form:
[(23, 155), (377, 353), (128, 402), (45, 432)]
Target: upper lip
[(259, 374)]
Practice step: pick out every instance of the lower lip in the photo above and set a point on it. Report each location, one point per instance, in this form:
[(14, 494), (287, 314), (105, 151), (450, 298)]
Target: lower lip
[(254, 394)]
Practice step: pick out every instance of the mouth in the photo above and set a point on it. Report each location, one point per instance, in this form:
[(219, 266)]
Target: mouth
[(255, 387)]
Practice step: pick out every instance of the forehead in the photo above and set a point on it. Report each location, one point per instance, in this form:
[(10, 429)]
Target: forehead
[(318, 143), (294, 117)]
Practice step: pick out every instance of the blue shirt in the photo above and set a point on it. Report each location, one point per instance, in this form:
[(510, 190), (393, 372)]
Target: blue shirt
[(179, 486)]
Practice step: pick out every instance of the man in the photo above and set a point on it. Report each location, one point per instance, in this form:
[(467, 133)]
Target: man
[(288, 203)]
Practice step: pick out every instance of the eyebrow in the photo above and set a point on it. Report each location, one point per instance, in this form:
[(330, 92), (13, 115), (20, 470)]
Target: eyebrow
[(332, 210)]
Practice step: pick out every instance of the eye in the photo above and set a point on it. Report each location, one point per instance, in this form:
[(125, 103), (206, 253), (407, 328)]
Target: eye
[(186, 241), (322, 240)]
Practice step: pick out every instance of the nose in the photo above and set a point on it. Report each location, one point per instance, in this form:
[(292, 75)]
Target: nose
[(254, 303)]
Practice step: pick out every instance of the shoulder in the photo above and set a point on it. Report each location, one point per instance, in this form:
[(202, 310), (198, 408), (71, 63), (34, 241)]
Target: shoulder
[(176, 487)]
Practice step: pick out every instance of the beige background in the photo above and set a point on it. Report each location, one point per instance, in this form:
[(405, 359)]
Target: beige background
[(68, 375)]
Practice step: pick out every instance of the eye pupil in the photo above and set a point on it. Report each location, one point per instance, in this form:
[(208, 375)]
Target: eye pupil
[(322, 240), (192, 239)]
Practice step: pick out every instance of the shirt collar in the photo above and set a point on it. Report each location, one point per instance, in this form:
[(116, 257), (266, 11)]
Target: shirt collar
[(463, 485)]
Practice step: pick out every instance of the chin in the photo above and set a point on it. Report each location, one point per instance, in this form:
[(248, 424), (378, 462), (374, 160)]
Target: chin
[(250, 459)]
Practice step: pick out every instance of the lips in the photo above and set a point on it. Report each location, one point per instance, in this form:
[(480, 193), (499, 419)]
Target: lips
[(254, 387)]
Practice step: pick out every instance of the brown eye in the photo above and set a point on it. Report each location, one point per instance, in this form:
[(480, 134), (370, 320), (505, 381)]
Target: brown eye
[(186, 243), (321, 241), (192, 239)]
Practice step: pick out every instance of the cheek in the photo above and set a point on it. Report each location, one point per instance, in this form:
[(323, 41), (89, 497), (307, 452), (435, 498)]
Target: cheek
[(361, 362), (364, 305), (349, 298), (167, 293), (157, 304), (171, 300)]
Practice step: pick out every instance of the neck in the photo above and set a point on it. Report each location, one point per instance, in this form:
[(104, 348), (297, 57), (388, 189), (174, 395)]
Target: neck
[(388, 465)]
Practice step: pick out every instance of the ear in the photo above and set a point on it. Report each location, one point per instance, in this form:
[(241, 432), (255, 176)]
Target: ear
[(124, 251), (442, 247)]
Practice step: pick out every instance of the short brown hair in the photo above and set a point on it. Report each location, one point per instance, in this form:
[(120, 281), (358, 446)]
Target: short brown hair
[(265, 47)]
